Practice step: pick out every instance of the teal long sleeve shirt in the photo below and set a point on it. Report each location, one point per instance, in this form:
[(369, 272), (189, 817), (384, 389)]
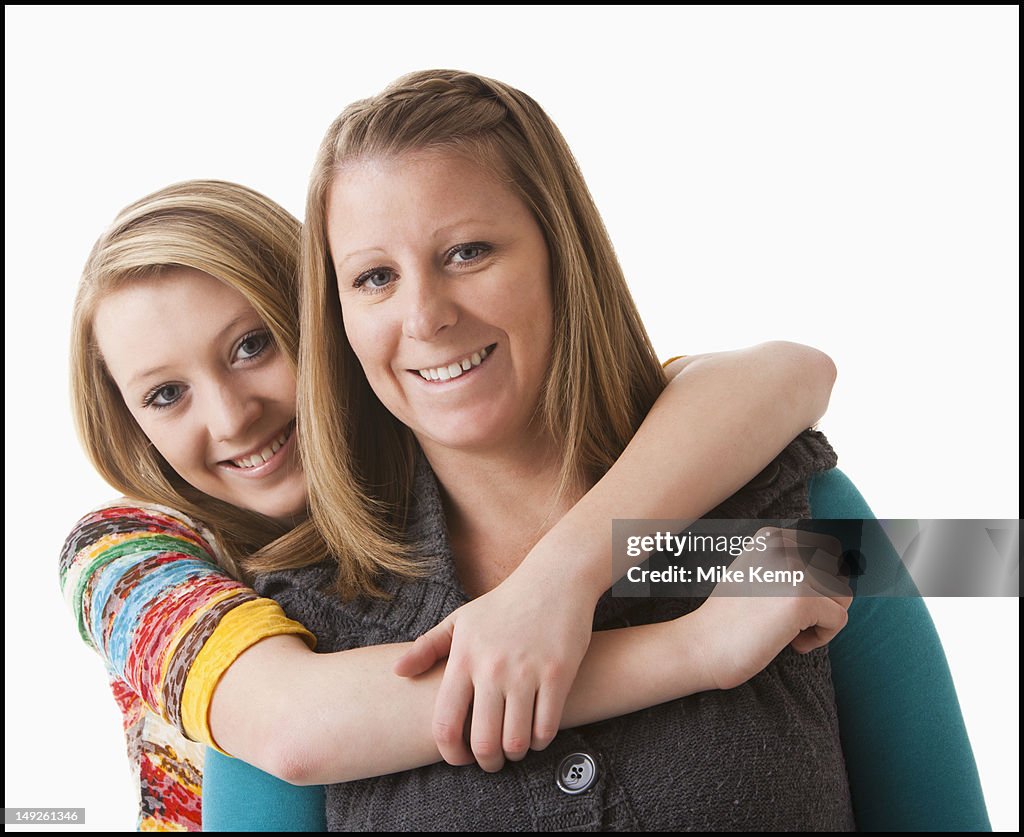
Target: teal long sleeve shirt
[(907, 754)]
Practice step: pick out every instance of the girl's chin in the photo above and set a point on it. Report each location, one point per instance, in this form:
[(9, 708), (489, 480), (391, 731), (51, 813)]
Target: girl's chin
[(287, 508)]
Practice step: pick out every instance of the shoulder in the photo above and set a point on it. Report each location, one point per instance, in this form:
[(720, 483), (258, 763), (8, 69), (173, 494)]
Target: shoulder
[(833, 495), (124, 520), (112, 544), (126, 515), (781, 489), (807, 456)]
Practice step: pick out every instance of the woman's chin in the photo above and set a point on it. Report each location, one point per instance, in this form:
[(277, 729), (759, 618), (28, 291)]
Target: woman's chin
[(461, 438)]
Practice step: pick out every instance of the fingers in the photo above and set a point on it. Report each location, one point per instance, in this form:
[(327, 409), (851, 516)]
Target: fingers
[(819, 557), (824, 568), (823, 561), (485, 735), (803, 549), (451, 712), (428, 648), (518, 725), (830, 586), (547, 715), (825, 595), (830, 618), (509, 672), (502, 725)]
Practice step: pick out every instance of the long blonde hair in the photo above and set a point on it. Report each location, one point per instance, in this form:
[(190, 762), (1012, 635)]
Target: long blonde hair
[(251, 244), (604, 374)]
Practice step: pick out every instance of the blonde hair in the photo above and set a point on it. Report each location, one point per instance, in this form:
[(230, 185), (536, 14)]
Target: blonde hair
[(604, 374), (242, 239)]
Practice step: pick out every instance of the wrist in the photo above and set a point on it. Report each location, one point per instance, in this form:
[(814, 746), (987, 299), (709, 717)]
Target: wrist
[(698, 661), (576, 566)]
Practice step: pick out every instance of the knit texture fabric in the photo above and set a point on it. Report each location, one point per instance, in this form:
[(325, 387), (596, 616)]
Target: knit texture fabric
[(763, 756)]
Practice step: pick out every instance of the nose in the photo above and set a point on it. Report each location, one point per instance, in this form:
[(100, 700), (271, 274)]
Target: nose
[(231, 410), (429, 306)]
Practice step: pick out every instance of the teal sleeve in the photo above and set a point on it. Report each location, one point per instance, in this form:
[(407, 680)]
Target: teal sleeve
[(238, 797), (907, 754)]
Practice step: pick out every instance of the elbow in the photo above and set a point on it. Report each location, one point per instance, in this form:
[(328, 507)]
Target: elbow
[(292, 760), (825, 373), (827, 367), (258, 715), (274, 738), (815, 374)]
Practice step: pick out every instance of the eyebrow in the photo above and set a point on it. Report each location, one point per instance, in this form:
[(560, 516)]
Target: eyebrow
[(464, 222), (159, 369), (350, 256)]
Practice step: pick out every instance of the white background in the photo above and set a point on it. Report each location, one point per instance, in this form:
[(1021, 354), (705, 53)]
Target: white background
[(844, 177)]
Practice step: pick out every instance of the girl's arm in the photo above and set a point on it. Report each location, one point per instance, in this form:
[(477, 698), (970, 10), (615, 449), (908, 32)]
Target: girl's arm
[(134, 604), (375, 723), (907, 753), (721, 419), (148, 596), (335, 717)]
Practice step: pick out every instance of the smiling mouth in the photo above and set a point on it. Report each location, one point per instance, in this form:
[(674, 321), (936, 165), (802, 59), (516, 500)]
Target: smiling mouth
[(265, 454), (440, 374)]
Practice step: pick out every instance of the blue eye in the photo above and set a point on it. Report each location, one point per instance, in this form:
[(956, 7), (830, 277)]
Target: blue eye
[(165, 395), (464, 253), (253, 345), (375, 280)]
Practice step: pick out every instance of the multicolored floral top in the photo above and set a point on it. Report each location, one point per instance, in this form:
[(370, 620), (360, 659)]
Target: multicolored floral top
[(148, 595)]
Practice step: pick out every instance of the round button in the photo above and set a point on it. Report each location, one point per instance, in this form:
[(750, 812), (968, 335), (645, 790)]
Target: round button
[(576, 773)]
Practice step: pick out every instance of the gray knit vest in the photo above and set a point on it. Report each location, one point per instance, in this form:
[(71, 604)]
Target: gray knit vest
[(763, 756)]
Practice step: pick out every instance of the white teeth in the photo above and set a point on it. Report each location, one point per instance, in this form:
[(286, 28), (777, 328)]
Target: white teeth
[(453, 370), (264, 455)]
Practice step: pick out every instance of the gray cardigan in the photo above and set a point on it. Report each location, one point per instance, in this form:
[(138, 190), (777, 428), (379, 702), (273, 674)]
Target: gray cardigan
[(763, 756)]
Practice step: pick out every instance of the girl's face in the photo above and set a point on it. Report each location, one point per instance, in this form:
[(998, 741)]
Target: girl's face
[(200, 373), (445, 289)]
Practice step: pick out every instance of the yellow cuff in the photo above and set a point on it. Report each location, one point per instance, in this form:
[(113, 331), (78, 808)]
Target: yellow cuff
[(239, 630)]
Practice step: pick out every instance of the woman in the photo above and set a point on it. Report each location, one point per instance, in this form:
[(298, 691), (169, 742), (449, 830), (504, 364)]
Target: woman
[(446, 216), (178, 377)]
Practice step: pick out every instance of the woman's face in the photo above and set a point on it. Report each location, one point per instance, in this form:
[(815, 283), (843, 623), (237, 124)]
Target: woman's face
[(200, 373), (445, 289)]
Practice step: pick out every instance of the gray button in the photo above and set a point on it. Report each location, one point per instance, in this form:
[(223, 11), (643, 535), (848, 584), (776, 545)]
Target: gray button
[(576, 773)]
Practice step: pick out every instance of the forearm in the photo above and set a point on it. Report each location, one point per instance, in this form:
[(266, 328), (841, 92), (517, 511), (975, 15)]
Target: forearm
[(270, 709), (721, 419)]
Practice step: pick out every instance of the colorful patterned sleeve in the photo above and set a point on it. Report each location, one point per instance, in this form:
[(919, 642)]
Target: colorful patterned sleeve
[(149, 597)]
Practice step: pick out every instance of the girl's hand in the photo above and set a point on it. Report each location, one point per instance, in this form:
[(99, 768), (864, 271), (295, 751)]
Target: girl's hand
[(744, 625), (513, 654)]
